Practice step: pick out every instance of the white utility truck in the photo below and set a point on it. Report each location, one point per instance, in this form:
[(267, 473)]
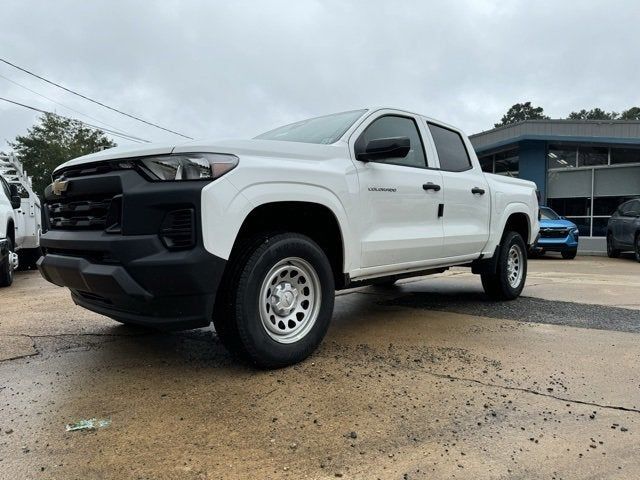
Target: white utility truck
[(20, 219), (256, 235)]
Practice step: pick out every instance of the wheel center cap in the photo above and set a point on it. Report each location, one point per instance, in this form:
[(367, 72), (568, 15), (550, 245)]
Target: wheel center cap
[(283, 298)]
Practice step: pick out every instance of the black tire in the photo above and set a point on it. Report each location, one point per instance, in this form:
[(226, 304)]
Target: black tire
[(6, 269), (28, 258), (237, 316), (611, 252), (636, 250), (497, 285), (569, 254)]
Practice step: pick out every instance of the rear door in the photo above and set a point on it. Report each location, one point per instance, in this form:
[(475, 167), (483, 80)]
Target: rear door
[(398, 221), (467, 199)]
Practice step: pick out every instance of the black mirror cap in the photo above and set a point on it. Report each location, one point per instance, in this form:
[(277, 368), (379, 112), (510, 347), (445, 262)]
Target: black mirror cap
[(16, 201), (381, 148)]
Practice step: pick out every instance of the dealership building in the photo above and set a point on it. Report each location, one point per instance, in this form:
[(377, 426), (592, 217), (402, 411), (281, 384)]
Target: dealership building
[(583, 169)]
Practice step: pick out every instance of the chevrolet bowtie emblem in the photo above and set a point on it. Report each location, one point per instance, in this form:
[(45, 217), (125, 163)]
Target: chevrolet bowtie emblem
[(59, 186)]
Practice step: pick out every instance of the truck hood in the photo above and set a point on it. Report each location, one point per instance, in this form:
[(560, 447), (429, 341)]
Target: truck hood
[(559, 223), (254, 148)]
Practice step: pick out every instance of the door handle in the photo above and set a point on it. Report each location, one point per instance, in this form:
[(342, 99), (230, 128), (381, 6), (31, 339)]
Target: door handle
[(431, 186), (477, 190)]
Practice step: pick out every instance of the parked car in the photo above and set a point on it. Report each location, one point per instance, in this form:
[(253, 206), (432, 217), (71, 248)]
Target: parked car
[(9, 200), (257, 234), (557, 234), (623, 229)]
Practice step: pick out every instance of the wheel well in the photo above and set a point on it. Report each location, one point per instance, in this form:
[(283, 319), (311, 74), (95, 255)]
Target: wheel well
[(311, 219), (518, 222)]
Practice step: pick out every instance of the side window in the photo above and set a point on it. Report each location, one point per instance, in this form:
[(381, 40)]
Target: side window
[(452, 153), (634, 208), (626, 208), (393, 126)]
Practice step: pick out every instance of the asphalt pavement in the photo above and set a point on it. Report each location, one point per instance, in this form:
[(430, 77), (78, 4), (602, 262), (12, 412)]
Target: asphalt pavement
[(424, 380)]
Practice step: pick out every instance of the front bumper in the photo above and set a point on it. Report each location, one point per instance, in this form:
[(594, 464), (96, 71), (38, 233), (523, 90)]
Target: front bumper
[(134, 275), (142, 282), (570, 242)]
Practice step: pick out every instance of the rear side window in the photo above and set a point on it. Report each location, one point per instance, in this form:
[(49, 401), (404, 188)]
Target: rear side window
[(631, 209), (451, 150), (391, 126)]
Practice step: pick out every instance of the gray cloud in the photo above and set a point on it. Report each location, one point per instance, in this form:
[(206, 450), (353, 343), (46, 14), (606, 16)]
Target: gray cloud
[(235, 69)]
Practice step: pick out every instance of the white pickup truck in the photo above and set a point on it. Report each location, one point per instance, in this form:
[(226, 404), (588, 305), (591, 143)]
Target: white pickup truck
[(256, 235), (9, 200)]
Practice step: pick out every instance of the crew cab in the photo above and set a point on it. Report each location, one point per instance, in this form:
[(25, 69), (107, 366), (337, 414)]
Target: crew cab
[(256, 235)]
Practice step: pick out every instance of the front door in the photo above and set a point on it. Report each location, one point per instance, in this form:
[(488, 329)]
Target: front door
[(399, 199)]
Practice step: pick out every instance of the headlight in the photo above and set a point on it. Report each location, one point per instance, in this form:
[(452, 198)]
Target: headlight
[(189, 166), (575, 231)]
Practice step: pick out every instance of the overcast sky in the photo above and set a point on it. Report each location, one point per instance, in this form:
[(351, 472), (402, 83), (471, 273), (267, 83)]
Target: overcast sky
[(234, 69)]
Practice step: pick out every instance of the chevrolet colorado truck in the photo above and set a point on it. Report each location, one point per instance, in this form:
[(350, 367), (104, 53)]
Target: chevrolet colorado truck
[(257, 235)]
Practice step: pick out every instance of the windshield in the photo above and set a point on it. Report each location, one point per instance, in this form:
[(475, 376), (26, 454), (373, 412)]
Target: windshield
[(324, 130), (548, 214)]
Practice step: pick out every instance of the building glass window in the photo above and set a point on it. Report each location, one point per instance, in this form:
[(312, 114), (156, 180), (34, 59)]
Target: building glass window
[(589, 156), (600, 227), (507, 163), (561, 156), (625, 155), (583, 224), (608, 205), (571, 207)]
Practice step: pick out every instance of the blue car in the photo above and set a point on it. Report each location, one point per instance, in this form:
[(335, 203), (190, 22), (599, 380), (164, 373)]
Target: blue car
[(557, 234)]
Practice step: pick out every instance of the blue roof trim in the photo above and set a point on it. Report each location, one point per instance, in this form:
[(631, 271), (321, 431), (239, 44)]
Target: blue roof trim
[(558, 138)]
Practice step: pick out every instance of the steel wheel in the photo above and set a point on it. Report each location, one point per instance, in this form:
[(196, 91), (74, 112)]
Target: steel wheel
[(290, 299), (514, 266)]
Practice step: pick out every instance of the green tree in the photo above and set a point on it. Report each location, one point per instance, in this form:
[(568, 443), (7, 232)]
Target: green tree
[(593, 114), (54, 140), (520, 112), (631, 114)]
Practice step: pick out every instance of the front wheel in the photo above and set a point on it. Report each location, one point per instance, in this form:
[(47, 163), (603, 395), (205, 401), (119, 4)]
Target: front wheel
[(569, 254), (8, 265), (511, 270), (277, 300), (636, 250)]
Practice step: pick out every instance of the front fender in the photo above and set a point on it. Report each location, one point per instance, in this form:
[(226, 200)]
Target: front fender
[(225, 208)]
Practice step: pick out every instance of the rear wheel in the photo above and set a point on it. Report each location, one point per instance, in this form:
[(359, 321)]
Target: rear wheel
[(611, 251), (277, 300), (511, 271), (636, 250), (7, 266), (569, 254)]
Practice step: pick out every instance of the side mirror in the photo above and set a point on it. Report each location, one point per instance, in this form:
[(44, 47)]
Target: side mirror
[(381, 148), (16, 201)]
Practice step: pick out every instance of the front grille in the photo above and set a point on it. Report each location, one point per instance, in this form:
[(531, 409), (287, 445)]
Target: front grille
[(87, 202), (554, 232), (86, 214)]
